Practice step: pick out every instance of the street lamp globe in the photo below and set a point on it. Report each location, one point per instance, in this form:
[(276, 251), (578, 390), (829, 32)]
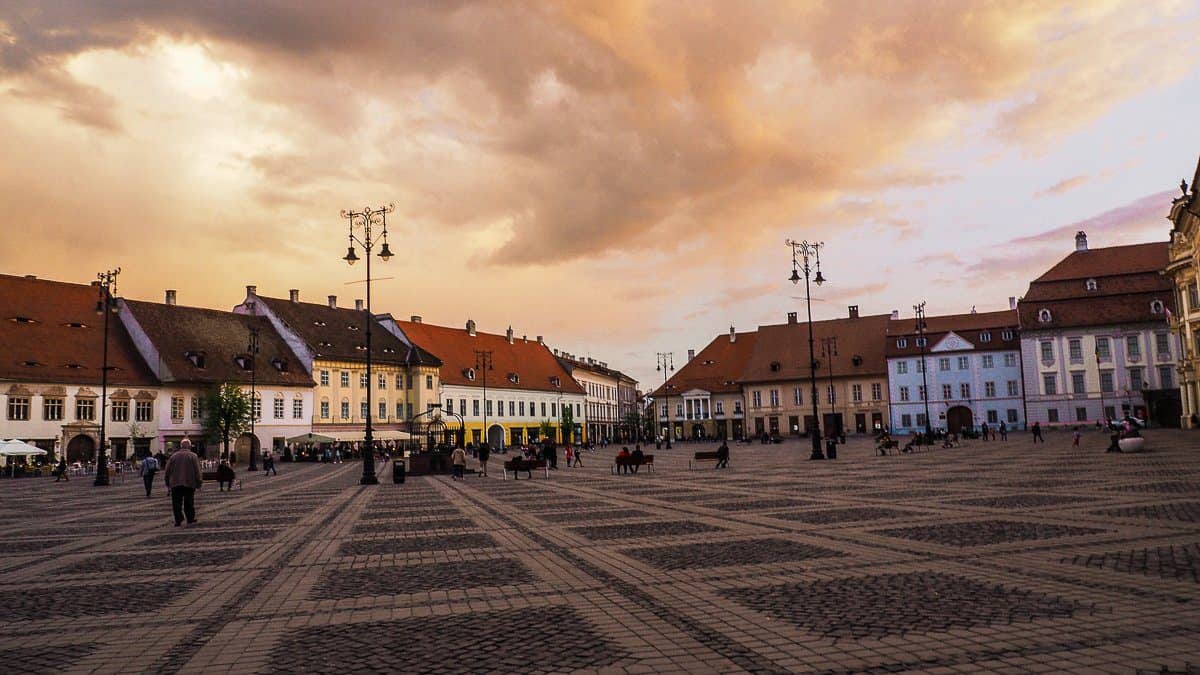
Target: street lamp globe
[(819, 279), (795, 276), (385, 253), (351, 256)]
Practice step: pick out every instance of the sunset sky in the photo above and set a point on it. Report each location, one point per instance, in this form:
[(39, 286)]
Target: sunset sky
[(618, 176)]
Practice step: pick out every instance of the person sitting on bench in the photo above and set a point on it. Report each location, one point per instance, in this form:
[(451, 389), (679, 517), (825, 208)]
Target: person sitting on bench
[(636, 457), (623, 460), (225, 475), (723, 456)]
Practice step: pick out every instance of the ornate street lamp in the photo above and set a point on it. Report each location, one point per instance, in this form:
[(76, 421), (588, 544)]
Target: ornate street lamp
[(828, 351), (365, 221), (809, 261), (666, 365), (107, 304), (483, 363), (920, 312), (252, 349)]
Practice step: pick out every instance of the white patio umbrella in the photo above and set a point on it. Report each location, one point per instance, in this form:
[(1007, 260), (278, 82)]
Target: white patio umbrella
[(15, 448)]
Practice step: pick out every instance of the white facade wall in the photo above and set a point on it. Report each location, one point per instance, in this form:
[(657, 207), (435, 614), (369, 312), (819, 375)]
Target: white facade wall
[(267, 428), (1004, 404), (48, 433)]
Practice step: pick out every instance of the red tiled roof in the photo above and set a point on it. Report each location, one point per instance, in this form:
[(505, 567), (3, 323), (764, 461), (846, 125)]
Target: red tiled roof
[(222, 337), (1096, 311), (1109, 261), (533, 364), (337, 333), (781, 352), (967, 326), (716, 368), (52, 344)]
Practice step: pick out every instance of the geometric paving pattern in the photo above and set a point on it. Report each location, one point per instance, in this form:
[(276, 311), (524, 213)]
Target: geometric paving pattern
[(416, 544), (716, 554), (336, 584), (895, 604), (1021, 501), (985, 532), (74, 600), (637, 530), (1187, 512), (155, 562), (1181, 562), (848, 515), (44, 659)]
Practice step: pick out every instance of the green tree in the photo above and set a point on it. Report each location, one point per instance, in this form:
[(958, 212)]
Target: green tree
[(566, 422), (546, 429), (227, 411)]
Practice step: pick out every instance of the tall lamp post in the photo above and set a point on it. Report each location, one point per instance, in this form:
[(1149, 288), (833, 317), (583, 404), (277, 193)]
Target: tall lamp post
[(252, 348), (365, 222), (105, 305), (666, 364), (809, 261), (483, 363), (828, 351), (919, 309)]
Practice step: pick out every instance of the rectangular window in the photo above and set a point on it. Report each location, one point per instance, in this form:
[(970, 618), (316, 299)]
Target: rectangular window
[(499, 408), (543, 408), (920, 365), (256, 407), (1081, 414), (345, 410), (906, 421), (1162, 344), (1133, 346), (1103, 351), (774, 393), (197, 408), (429, 382), (993, 417), (1012, 416), (324, 378), (989, 361), (512, 408), (1166, 377), (1012, 388), (944, 363), (344, 378), (1075, 347), (449, 405), (662, 414), (1077, 382), (399, 410), (120, 410), (489, 408), (856, 393), (1049, 384), (554, 409), (297, 408), (921, 420), (18, 408), (964, 362), (737, 407), (475, 407), (1136, 380), (177, 408), (143, 411), (324, 410), (797, 396), (382, 381), (989, 389), (408, 410), (1048, 352), (830, 394), (408, 384), (399, 381), (902, 367), (964, 390), (363, 410), (876, 391), (362, 380), (947, 392), (1193, 292), (756, 399), (1052, 415), (277, 407), (903, 393), (1010, 360), (1106, 381), (383, 410), (1110, 412), (52, 409), (85, 409)]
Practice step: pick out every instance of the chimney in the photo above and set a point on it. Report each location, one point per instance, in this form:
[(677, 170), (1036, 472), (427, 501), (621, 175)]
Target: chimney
[(358, 304), (415, 318), (294, 295), (853, 311), (791, 317), (1012, 302), (732, 334), (556, 352), (540, 341), (508, 334), (471, 327), (895, 314), (333, 302), (1081, 241), (251, 290), (170, 299), (691, 354)]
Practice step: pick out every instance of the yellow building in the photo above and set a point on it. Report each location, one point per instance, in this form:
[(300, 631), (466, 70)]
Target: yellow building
[(1184, 272)]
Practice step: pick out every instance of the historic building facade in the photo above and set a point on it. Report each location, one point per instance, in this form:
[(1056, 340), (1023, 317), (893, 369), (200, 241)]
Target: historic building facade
[(602, 394), (191, 350), (964, 368), (501, 388), (330, 343), (50, 375), (702, 398), (851, 377), (1183, 270), (1095, 342)]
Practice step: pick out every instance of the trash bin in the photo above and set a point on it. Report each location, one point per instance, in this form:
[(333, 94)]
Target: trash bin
[(397, 470), (831, 449)]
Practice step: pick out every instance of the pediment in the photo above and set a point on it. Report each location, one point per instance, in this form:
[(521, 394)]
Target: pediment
[(695, 393), (952, 342)]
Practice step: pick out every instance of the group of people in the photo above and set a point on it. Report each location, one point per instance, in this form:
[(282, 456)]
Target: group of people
[(989, 433), (629, 462)]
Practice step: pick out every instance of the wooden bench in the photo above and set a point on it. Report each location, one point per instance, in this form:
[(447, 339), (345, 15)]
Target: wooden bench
[(646, 460), (517, 465), (212, 476), (703, 457)]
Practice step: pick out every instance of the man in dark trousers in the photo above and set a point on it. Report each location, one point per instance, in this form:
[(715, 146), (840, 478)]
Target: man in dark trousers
[(637, 456), (723, 456), (183, 478), (149, 469), (1037, 432)]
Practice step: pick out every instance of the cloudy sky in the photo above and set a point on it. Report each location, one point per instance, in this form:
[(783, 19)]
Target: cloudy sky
[(618, 176)]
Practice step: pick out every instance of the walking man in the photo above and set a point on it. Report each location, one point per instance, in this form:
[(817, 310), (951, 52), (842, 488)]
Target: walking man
[(1037, 432), (1004, 431), (485, 452), (458, 459), (149, 468), (61, 470), (183, 478)]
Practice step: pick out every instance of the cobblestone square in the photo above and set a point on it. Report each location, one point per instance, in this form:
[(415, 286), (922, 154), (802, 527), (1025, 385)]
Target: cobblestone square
[(1063, 560)]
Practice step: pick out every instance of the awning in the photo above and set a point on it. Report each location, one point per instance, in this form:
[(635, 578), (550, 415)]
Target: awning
[(382, 435), (311, 438), (15, 448)]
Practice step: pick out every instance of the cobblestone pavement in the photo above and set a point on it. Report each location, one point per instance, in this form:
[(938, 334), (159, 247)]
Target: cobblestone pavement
[(993, 557)]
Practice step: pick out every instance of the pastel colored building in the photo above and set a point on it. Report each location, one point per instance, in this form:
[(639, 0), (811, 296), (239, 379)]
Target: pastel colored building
[(702, 398), (1183, 270)]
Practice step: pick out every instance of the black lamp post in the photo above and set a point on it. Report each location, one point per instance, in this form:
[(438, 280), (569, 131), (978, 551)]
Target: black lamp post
[(920, 312), (666, 364), (107, 304), (366, 220), (809, 251), (252, 348), (828, 351), (483, 363)]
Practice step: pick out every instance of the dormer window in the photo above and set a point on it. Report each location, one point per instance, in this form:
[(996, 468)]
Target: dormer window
[(319, 323), (1006, 334), (361, 348), (74, 366), (351, 326), (1044, 315), (708, 362), (24, 320), (775, 366), (1091, 285), (1156, 307), (985, 336), (242, 361), (857, 360), (280, 364), (75, 324), (197, 358), (555, 381), (514, 378), (921, 342), (32, 364), (902, 343), (324, 343), (469, 373), (389, 350)]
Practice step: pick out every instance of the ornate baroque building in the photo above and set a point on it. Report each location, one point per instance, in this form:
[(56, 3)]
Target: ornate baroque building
[(1183, 270)]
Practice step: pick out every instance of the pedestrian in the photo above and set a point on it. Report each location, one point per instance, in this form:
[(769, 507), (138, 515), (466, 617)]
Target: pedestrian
[(723, 456), (622, 460), (225, 475), (983, 430), (1075, 437), (578, 456), (1037, 432), (570, 455), (183, 478), (458, 459), (485, 451), (637, 457), (61, 470), (149, 468), (269, 464), (1004, 431)]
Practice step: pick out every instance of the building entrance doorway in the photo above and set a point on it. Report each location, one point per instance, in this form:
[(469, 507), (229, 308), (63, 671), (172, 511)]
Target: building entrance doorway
[(81, 449), (958, 418), (860, 423), (697, 432), (496, 436)]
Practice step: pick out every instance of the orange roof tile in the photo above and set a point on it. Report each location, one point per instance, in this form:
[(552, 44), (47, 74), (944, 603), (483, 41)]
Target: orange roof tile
[(781, 352), (716, 368)]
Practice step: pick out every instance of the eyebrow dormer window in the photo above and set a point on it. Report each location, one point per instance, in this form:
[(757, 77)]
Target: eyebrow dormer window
[(242, 361), (280, 364), (74, 366), (514, 378), (775, 366), (1091, 285), (75, 324), (351, 326), (1156, 307), (318, 322), (469, 373), (24, 320), (197, 358), (1044, 316)]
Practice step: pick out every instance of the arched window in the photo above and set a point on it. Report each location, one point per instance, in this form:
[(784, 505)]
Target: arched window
[(1044, 315), (1090, 285), (985, 336), (1156, 307), (901, 343), (470, 374)]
